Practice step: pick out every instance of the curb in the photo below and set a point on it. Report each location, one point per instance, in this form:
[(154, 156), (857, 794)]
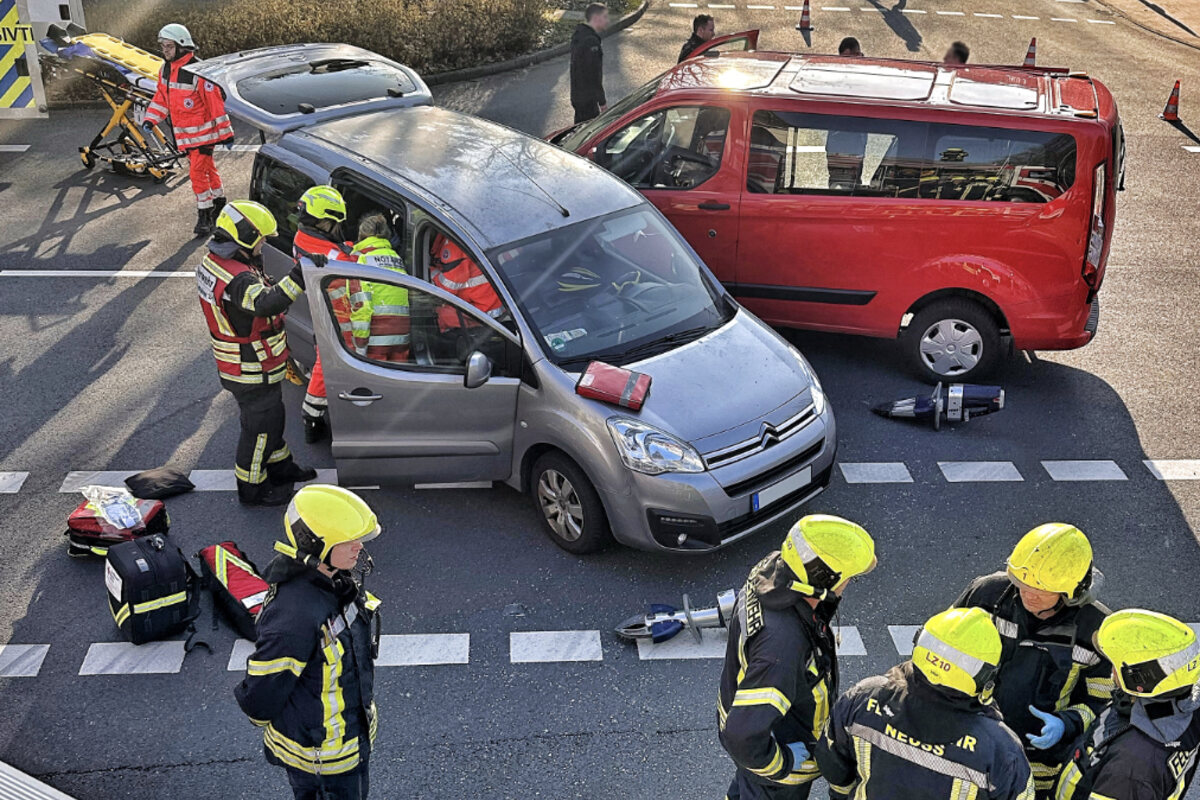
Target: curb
[(529, 59), (1120, 13)]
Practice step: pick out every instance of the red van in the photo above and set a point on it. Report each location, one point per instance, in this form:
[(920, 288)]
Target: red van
[(946, 205)]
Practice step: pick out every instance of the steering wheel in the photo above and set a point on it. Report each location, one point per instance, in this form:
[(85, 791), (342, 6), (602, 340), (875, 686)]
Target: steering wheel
[(641, 295), (678, 161)]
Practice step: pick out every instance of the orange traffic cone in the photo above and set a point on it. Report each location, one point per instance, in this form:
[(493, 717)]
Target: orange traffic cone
[(1031, 56), (1171, 112), (804, 24)]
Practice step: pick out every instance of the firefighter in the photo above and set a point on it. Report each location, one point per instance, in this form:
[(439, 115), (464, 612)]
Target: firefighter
[(928, 724), (310, 681), (1144, 746), (1052, 683), (197, 111), (781, 662), (381, 323), (318, 235), (244, 313)]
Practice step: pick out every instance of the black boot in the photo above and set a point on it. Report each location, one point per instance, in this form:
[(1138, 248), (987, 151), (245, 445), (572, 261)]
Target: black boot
[(218, 204), (291, 472), (265, 494), (204, 222), (315, 429)]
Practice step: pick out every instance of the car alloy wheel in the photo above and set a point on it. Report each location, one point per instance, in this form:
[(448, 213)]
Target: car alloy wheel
[(560, 505)]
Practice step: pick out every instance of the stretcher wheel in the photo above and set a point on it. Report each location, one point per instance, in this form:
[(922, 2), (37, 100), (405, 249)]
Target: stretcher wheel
[(89, 160), (159, 175)]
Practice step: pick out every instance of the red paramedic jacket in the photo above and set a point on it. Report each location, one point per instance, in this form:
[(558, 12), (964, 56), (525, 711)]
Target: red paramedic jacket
[(196, 106)]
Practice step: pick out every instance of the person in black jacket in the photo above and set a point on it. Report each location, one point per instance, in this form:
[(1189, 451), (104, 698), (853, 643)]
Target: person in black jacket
[(1052, 683), (927, 730), (587, 64), (1145, 745), (704, 28), (310, 683), (780, 668)]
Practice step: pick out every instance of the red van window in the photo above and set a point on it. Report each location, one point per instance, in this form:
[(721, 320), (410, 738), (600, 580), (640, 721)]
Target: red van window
[(794, 153), (672, 148)]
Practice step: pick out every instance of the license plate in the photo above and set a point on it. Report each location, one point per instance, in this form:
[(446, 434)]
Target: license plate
[(778, 491)]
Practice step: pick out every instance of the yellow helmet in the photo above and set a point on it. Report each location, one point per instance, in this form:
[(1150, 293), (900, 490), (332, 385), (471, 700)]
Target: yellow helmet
[(320, 517), (959, 649), (323, 202), (1153, 654), (246, 222), (824, 551), (1055, 557)]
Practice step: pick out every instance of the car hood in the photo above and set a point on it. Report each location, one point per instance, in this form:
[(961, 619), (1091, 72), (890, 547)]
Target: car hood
[(737, 374)]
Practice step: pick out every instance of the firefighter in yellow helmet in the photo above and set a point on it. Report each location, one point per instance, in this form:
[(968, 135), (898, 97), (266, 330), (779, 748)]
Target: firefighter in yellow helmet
[(780, 673), (310, 681), (1144, 746), (244, 314), (1052, 682), (928, 725)]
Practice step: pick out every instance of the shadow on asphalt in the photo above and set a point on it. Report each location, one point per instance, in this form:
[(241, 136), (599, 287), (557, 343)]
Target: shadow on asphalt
[(901, 25)]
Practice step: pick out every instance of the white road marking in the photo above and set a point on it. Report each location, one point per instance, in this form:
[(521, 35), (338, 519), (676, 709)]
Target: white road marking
[(990, 16), (13, 148), (851, 641), (835, 8), (223, 480), (1102, 22), (902, 638), (77, 480), (1097, 470), (96, 273), (540, 647), (1191, 148), (11, 482), (1174, 469), (1021, 16), (684, 5), (720, 5), (242, 148), (460, 485), (793, 8), (424, 649), (125, 658), (951, 13), (911, 11), (684, 645), (761, 8), (979, 471), (242, 649), (1063, 19), (876, 472), (14, 783), (22, 660)]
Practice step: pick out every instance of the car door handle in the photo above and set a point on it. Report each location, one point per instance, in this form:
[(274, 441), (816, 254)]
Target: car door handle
[(359, 398), (710, 205)]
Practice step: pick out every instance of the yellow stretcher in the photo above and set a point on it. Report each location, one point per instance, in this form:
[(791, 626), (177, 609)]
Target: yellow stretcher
[(127, 77)]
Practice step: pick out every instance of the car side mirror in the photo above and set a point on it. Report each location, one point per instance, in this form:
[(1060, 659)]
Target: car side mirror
[(479, 370)]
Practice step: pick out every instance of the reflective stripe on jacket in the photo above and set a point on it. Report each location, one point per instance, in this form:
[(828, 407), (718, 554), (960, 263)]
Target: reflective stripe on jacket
[(381, 324), (243, 312), (196, 106), (344, 295), (467, 282), (310, 681)]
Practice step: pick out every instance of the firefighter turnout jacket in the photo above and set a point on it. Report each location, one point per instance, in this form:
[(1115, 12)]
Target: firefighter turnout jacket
[(898, 737), (1138, 749), (244, 314), (381, 323), (1051, 664), (196, 106), (779, 675), (310, 681)]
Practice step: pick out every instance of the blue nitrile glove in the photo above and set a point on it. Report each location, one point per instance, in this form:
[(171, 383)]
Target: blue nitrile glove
[(1052, 730), (800, 754), (147, 126)]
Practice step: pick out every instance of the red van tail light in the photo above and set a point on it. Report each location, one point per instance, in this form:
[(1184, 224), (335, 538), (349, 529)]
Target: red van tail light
[(1091, 265)]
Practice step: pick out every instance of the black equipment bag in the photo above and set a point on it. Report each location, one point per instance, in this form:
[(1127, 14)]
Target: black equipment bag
[(152, 589), (159, 483), (235, 583)]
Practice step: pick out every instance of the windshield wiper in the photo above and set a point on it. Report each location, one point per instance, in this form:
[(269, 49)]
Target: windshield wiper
[(679, 337)]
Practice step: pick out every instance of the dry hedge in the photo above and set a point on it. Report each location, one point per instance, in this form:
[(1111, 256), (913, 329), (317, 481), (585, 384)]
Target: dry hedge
[(428, 35)]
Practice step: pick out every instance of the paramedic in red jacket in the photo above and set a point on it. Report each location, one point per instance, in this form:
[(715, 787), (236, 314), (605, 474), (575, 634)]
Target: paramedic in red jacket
[(197, 111)]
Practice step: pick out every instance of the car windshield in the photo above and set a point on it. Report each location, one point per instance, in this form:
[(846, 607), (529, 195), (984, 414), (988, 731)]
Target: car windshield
[(584, 131), (617, 288)]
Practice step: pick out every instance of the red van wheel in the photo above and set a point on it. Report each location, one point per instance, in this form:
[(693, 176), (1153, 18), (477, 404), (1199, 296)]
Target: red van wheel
[(952, 340)]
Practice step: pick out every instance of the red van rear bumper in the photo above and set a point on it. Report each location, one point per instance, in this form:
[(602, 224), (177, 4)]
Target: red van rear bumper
[(1060, 323)]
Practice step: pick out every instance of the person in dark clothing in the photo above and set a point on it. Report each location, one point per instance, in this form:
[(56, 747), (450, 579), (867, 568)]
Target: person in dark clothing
[(1052, 683), (958, 53), (781, 662), (310, 683), (850, 47), (587, 64), (704, 28), (1145, 745), (244, 314), (927, 728)]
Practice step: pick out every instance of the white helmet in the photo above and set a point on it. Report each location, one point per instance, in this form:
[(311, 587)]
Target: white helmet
[(178, 34)]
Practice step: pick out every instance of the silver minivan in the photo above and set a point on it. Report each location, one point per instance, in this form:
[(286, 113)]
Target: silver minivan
[(735, 433)]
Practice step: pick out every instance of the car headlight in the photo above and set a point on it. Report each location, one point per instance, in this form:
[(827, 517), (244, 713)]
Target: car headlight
[(818, 393), (648, 450)]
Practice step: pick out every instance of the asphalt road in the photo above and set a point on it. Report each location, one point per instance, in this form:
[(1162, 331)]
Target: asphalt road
[(114, 373)]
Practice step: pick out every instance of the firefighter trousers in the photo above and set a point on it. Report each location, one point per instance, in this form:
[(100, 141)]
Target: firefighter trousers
[(350, 786), (747, 787), (263, 457), (206, 183), (316, 404)]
